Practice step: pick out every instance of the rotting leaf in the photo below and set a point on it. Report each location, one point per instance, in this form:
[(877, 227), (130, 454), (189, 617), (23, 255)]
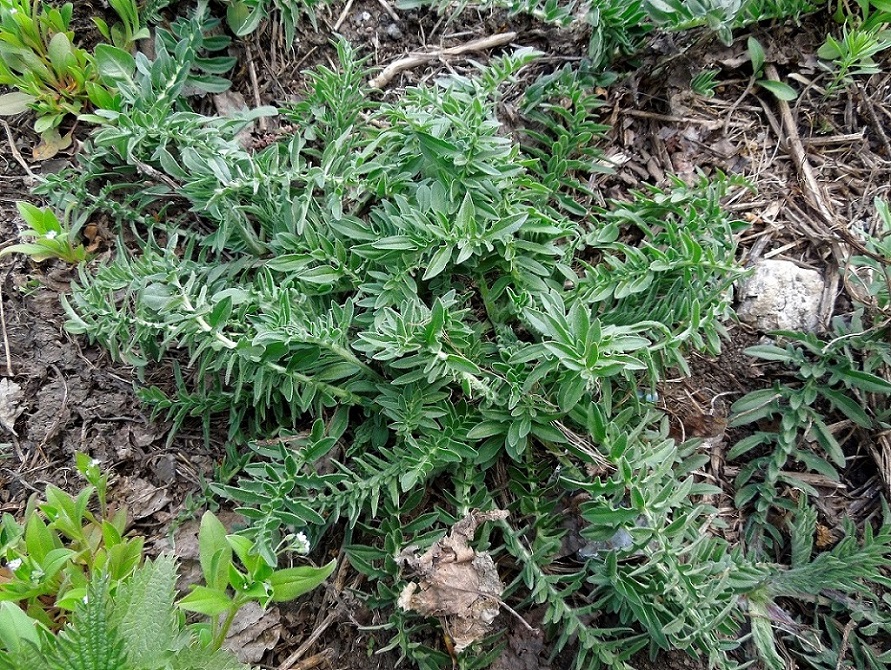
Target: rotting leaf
[(456, 583), (51, 143)]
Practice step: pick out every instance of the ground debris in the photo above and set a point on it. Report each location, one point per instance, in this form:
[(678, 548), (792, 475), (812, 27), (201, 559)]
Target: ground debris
[(11, 396), (456, 582)]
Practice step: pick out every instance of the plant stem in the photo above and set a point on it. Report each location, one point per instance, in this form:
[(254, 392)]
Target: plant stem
[(223, 630)]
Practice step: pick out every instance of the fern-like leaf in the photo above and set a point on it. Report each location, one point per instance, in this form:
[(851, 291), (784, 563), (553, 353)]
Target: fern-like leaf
[(90, 642), (199, 658), (144, 613)]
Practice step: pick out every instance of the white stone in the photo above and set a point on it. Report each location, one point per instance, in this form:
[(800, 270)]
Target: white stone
[(779, 295)]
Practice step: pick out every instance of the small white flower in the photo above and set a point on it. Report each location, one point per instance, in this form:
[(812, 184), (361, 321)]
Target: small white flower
[(14, 564), (301, 543), (50, 234)]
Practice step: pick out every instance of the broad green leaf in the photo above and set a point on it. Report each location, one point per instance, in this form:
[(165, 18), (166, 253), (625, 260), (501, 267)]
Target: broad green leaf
[(15, 103), (847, 406), (290, 583), (214, 552), (204, 600), (16, 628), (39, 539), (115, 65), (241, 19), (756, 55), (865, 381), (780, 90), (60, 52), (438, 263)]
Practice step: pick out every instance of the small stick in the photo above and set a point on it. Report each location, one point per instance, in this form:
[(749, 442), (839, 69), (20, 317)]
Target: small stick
[(516, 614), (343, 15), (668, 118), (875, 123), (148, 171), (15, 152), (5, 338), (313, 661), (481, 44), (309, 642), (389, 9), (813, 192), (252, 72)]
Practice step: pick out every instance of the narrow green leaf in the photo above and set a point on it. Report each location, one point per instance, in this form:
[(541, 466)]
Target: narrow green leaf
[(439, 262)]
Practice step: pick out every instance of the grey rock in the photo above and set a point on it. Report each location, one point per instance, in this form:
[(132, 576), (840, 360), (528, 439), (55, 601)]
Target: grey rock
[(780, 295), (393, 32)]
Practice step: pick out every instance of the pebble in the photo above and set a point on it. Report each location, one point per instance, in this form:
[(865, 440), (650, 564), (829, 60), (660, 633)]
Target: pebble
[(393, 32), (780, 295)]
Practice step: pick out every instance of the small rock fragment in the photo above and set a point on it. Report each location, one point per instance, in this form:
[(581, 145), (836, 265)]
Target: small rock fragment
[(393, 32), (780, 295), (10, 397)]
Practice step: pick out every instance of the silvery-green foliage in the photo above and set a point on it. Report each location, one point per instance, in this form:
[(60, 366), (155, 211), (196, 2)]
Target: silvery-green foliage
[(419, 288)]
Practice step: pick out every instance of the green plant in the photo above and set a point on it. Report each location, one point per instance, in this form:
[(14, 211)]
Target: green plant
[(130, 625), (437, 334), (778, 89), (229, 588), (407, 315), (704, 83), (80, 595), (719, 15), (48, 237), (827, 373), (39, 59), (129, 29), (245, 16), (52, 553), (852, 54)]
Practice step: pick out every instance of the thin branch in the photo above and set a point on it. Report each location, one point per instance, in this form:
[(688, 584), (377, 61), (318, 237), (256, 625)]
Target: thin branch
[(15, 152), (409, 62)]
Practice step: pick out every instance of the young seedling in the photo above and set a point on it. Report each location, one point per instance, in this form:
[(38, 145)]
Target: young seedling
[(48, 237), (230, 585), (780, 90)]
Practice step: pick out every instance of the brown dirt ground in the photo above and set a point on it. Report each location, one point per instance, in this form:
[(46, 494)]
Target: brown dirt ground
[(76, 399)]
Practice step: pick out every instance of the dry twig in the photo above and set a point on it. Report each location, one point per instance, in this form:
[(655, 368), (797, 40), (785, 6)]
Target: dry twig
[(814, 194), (313, 661), (407, 63), (343, 15), (5, 336), (333, 616), (15, 152), (388, 8), (262, 123)]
